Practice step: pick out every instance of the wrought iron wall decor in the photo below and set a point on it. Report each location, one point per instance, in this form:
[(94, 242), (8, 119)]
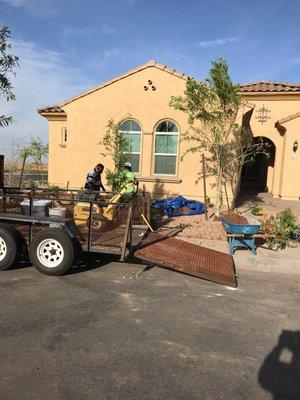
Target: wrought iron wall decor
[(263, 114)]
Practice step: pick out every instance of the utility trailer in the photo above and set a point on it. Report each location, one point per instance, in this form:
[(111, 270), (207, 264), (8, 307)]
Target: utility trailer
[(55, 243)]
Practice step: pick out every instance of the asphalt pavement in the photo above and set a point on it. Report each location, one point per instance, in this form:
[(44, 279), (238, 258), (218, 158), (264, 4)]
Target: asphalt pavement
[(116, 331)]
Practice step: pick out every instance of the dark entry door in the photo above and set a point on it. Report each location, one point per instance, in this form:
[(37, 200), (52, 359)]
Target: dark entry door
[(254, 172)]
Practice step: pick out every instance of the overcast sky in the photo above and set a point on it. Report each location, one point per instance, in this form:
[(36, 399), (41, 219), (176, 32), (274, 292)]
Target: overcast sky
[(66, 46)]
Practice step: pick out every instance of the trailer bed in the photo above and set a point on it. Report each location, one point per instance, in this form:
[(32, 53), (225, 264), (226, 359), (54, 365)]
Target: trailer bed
[(112, 241)]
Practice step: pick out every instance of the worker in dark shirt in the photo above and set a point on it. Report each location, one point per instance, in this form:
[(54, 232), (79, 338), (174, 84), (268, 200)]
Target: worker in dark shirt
[(93, 180)]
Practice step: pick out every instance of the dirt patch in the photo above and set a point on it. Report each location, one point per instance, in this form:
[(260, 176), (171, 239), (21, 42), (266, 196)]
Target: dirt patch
[(235, 218), (196, 226)]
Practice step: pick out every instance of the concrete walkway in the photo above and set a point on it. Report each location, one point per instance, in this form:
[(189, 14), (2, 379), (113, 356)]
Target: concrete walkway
[(271, 204), (285, 261)]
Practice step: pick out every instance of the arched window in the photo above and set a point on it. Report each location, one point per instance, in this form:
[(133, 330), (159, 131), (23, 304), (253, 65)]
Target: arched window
[(166, 148), (131, 131)]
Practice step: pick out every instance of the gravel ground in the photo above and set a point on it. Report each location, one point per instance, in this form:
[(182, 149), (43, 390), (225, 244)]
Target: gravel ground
[(198, 227)]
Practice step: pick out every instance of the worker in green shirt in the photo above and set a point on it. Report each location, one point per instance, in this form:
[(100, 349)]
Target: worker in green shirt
[(130, 181)]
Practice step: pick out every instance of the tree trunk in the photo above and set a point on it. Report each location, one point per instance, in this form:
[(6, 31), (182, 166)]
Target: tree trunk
[(22, 170), (237, 187), (219, 190)]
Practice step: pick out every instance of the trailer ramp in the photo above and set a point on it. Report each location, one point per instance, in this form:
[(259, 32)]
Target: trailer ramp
[(172, 253)]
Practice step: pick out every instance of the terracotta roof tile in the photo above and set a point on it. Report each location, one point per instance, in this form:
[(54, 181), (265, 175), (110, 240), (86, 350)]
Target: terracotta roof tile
[(149, 64), (269, 86), (55, 109), (259, 86)]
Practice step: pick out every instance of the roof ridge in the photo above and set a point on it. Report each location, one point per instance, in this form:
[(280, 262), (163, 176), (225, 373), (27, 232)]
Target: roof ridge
[(149, 64), (270, 82)]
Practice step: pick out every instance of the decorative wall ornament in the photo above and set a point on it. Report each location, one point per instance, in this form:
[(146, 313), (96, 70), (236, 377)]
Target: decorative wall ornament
[(262, 114), (150, 85)]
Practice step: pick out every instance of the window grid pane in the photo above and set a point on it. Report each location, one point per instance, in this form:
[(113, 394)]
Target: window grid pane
[(134, 160), (166, 144), (166, 148), (165, 165), (167, 126), (131, 131)]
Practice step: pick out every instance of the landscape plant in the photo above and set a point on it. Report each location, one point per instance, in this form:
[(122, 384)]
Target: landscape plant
[(212, 108), (116, 147), (282, 228), (257, 209), (8, 64), (35, 149)]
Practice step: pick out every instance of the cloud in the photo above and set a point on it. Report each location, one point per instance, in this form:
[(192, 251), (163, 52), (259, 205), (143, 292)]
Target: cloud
[(45, 77), (107, 30), (37, 8), (70, 33), (217, 42), (19, 3), (130, 2), (78, 32)]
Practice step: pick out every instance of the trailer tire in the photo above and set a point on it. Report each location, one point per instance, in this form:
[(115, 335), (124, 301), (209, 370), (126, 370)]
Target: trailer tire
[(10, 246), (52, 251)]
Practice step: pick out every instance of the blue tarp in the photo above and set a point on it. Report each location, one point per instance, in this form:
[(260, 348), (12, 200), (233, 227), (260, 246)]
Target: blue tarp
[(172, 207)]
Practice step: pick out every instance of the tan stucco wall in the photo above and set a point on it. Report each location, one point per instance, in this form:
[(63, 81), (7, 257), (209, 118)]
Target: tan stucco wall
[(284, 179), (126, 98), (86, 122)]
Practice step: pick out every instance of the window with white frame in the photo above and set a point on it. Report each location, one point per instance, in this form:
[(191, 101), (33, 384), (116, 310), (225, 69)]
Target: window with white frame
[(166, 148), (64, 136), (132, 131)]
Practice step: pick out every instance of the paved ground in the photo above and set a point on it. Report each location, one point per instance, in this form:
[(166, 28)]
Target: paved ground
[(286, 261), (104, 333), (272, 205)]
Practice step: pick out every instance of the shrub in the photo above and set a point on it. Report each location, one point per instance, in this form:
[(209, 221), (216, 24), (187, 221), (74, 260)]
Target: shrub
[(256, 209), (283, 227)]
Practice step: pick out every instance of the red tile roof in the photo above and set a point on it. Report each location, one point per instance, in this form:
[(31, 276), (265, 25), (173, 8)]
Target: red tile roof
[(55, 109), (149, 64), (269, 86), (259, 86)]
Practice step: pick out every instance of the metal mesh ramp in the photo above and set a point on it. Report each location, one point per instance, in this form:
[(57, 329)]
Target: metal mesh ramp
[(189, 258)]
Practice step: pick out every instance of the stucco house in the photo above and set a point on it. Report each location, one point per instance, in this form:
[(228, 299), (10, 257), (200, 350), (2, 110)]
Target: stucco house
[(140, 98)]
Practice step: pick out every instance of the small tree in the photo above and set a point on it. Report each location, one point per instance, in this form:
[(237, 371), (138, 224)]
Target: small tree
[(38, 151), (8, 62), (116, 147), (212, 107)]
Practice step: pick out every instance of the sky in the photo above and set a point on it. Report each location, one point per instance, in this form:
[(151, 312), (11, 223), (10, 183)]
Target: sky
[(67, 46)]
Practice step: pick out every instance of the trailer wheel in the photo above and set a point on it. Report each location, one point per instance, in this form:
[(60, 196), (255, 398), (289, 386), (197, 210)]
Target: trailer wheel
[(52, 251), (10, 246)]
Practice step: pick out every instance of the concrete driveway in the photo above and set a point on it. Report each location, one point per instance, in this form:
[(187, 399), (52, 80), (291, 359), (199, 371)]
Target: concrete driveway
[(104, 332)]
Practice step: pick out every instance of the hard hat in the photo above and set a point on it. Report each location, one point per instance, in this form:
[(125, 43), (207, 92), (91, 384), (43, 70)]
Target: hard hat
[(127, 164)]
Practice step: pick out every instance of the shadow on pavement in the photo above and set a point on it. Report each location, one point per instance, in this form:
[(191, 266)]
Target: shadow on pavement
[(280, 371), (88, 262)]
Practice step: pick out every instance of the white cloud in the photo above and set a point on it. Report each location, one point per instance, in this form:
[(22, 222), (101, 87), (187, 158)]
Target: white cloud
[(38, 8), (217, 42), (19, 3), (107, 29), (44, 78), (69, 33), (78, 32)]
